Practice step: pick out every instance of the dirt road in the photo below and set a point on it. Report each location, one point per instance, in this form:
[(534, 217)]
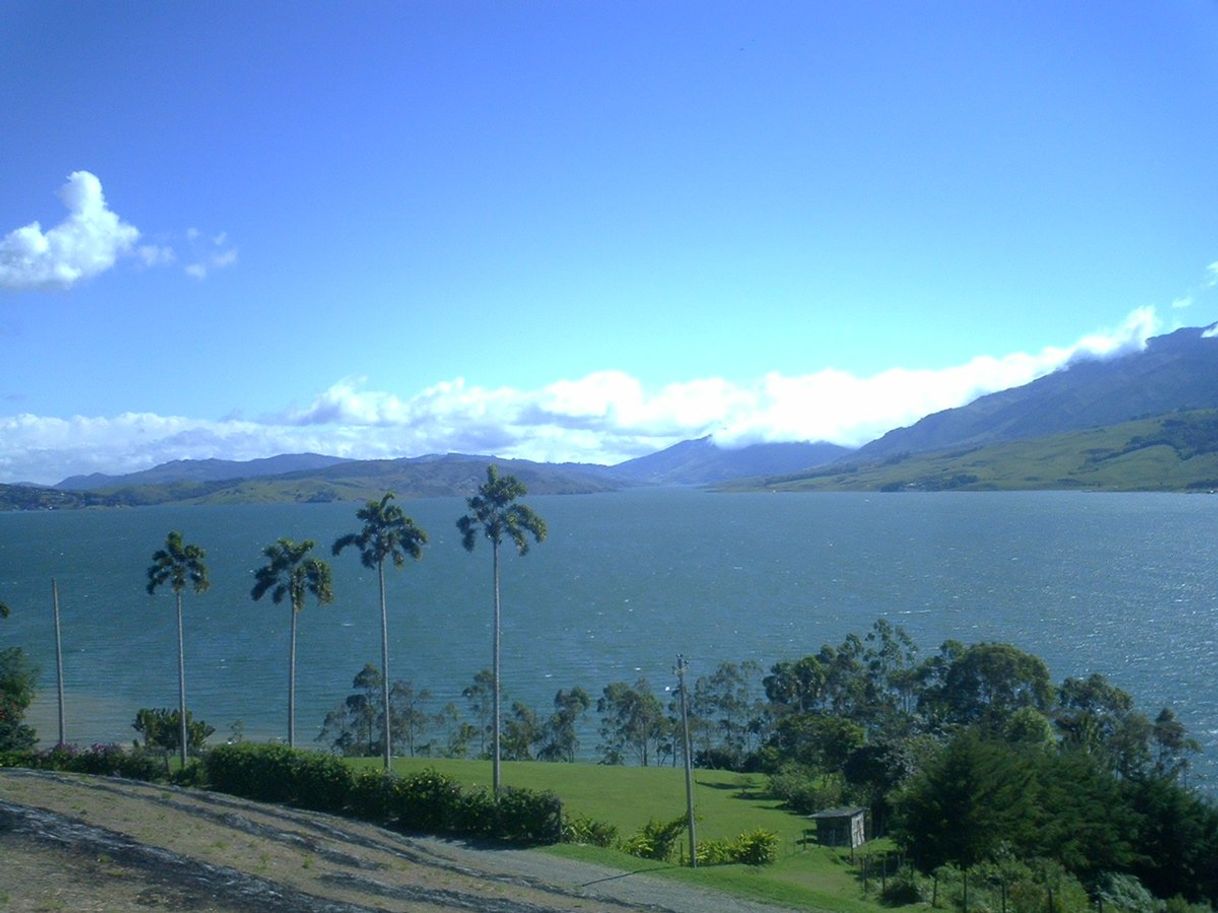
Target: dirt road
[(79, 843)]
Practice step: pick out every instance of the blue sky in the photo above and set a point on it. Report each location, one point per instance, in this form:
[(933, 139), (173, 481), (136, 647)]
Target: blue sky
[(578, 230)]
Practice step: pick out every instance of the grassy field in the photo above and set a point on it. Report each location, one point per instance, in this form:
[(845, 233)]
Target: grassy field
[(727, 804)]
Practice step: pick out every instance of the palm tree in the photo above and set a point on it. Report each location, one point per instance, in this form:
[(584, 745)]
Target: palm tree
[(289, 572), (493, 511), (179, 564), (387, 533)]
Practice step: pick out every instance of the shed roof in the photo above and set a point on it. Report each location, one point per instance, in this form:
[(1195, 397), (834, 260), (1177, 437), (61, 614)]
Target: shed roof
[(844, 812)]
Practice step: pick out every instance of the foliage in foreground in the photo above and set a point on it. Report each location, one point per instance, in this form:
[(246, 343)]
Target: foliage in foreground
[(426, 801), (658, 840)]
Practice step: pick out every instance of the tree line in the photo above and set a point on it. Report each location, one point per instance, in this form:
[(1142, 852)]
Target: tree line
[(292, 574)]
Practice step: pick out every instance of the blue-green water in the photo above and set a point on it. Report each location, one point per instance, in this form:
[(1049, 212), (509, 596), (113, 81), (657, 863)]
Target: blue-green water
[(1125, 585)]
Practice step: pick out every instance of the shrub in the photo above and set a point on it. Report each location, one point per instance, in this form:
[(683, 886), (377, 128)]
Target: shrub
[(804, 790), (428, 801), (320, 782), (260, 772), (715, 852), (528, 817), (759, 847), (656, 840), (588, 831), (905, 887), (371, 796)]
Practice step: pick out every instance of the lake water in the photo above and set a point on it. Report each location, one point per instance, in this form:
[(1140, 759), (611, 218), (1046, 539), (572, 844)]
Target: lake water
[(1122, 584)]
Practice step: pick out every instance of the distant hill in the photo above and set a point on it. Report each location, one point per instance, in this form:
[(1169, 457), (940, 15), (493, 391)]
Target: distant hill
[(1178, 371), (1174, 452), (203, 471), (433, 475), (703, 462)]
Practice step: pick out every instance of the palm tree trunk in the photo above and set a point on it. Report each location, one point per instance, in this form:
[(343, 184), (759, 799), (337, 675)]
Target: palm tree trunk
[(58, 658), (292, 684), (495, 675), (388, 753), (181, 684)]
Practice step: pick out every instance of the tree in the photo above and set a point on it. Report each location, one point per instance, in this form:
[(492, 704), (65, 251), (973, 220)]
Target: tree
[(387, 534), (351, 727), (478, 696), (352, 723), (988, 682), (162, 729), (410, 720), (3, 610), (494, 512), (632, 721), (179, 564), (559, 739), (522, 731), (18, 679), (289, 572), (977, 796)]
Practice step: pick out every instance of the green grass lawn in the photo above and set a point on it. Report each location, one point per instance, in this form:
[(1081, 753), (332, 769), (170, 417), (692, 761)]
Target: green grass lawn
[(727, 804)]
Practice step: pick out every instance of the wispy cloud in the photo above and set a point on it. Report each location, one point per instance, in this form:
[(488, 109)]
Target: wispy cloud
[(604, 417), (208, 253), (87, 242)]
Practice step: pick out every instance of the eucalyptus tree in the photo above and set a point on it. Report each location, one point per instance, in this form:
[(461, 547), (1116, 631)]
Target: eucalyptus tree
[(179, 565), (495, 512), (292, 574), (387, 533)]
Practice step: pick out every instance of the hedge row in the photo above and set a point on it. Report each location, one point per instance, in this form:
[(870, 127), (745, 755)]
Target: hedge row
[(102, 760), (426, 802)]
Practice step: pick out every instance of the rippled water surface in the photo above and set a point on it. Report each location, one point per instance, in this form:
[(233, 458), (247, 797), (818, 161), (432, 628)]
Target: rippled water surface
[(1123, 584)]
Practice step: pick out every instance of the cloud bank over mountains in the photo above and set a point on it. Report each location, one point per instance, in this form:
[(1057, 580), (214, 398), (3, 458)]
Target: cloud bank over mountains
[(603, 417)]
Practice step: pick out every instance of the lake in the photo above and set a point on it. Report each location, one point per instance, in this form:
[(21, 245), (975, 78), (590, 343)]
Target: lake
[(1121, 584)]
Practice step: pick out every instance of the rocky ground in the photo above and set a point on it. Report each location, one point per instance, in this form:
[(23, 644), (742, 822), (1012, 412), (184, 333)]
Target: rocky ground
[(81, 843)]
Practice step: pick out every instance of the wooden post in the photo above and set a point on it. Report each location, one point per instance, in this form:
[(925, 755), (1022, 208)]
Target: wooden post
[(689, 767)]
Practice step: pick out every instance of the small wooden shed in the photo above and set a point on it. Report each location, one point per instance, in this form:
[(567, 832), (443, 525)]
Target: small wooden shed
[(841, 826)]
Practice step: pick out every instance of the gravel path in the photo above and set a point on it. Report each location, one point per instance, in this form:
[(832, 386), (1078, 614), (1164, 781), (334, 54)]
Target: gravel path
[(94, 843)]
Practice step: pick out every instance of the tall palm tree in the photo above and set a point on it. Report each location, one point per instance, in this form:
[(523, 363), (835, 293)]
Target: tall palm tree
[(179, 564), (290, 572), (494, 511), (387, 533)]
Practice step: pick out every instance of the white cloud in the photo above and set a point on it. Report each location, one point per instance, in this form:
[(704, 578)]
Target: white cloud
[(209, 255), (1211, 271), (84, 244), (604, 417), (155, 254), (1181, 303)]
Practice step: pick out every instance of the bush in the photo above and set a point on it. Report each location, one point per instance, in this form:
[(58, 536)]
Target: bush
[(656, 840), (588, 831), (426, 801), (715, 852), (904, 888), (759, 847), (430, 802), (372, 795), (321, 782), (260, 772), (804, 790), (16, 759), (528, 817)]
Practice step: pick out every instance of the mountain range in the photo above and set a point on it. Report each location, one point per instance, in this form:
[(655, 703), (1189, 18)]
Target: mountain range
[(1054, 432)]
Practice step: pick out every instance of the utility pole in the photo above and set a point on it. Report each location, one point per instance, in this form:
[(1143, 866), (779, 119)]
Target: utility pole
[(689, 768), (58, 656)]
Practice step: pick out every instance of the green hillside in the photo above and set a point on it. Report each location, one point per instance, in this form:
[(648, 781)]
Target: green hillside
[(1176, 452)]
